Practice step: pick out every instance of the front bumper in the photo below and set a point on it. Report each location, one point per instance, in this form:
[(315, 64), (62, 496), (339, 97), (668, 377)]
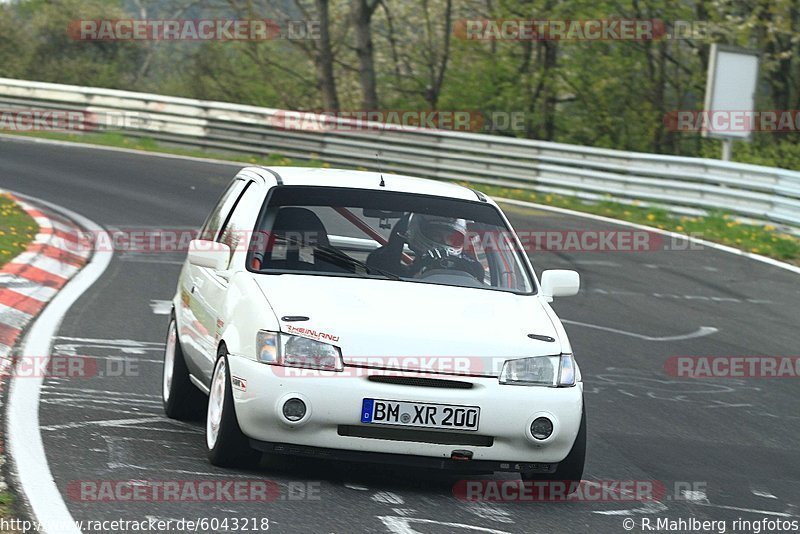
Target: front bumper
[(333, 426)]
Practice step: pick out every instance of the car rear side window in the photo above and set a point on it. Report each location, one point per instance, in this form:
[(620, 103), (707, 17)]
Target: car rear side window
[(237, 231), (218, 217)]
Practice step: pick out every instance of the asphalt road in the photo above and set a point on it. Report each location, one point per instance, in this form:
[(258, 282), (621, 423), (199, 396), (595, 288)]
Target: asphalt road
[(733, 443)]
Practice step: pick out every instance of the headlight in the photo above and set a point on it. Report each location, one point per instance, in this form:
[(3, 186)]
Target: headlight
[(540, 371), (297, 351)]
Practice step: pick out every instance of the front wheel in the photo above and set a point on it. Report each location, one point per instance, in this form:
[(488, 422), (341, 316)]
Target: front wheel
[(570, 469), (227, 444)]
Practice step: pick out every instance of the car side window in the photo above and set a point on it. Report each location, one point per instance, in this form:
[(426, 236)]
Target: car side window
[(237, 231), (219, 214)]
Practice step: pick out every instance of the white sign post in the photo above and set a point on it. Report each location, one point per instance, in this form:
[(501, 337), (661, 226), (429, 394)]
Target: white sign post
[(730, 92)]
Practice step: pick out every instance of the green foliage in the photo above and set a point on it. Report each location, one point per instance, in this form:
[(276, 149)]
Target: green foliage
[(763, 150), (47, 52), (17, 229)]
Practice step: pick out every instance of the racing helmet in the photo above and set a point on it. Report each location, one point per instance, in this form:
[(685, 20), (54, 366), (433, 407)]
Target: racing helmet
[(429, 232)]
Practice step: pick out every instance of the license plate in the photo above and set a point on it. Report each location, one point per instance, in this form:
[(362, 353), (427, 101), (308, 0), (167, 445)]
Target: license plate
[(420, 414)]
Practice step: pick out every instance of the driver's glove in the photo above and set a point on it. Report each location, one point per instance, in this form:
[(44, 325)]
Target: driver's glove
[(437, 253)]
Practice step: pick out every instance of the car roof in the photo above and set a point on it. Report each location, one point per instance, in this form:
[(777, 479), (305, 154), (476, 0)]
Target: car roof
[(311, 176)]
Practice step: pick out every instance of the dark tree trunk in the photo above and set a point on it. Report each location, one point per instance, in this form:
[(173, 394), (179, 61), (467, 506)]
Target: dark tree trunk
[(324, 59), (361, 12)]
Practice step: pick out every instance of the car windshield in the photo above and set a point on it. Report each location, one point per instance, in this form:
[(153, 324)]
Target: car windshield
[(381, 234)]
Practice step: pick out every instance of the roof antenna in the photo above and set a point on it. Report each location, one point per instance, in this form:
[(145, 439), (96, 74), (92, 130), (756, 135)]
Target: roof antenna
[(378, 161)]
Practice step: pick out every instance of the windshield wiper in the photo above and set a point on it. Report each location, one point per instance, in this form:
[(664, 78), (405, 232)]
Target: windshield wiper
[(366, 269)]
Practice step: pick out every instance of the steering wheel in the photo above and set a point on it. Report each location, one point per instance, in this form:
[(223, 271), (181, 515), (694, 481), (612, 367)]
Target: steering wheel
[(430, 266)]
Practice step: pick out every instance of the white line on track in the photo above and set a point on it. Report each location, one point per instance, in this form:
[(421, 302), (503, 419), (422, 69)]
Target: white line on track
[(750, 510), (161, 307), (388, 497), (356, 487), (102, 393), (24, 435), (700, 332), (113, 342), (403, 525), (489, 511), (107, 423), (758, 492), (52, 392)]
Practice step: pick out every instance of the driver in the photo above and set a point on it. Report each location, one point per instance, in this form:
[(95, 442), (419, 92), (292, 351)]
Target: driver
[(438, 243)]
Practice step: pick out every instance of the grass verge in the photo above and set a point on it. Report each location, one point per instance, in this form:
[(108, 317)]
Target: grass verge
[(17, 229), (6, 506), (717, 226)]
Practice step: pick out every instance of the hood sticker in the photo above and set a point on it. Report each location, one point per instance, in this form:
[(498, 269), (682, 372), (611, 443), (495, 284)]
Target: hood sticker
[(312, 334)]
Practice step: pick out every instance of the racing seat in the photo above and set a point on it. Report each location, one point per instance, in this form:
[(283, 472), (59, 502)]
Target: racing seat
[(295, 228)]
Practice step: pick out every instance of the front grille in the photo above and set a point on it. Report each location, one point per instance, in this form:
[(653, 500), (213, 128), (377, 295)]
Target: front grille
[(416, 435), (420, 382)]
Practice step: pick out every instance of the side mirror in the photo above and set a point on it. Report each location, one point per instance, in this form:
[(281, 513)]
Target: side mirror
[(211, 254), (560, 283)]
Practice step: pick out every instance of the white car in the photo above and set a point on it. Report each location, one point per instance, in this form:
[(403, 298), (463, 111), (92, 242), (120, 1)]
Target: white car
[(380, 318)]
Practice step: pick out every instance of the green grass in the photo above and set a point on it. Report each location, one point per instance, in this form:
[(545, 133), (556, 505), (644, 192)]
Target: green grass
[(718, 227), (17, 229), (7, 505)]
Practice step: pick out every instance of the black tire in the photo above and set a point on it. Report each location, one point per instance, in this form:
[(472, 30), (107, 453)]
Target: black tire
[(181, 399), (230, 448), (570, 469)]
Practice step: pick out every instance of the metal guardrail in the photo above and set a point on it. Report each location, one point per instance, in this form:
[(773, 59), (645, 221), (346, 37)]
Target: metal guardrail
[(680, 184)]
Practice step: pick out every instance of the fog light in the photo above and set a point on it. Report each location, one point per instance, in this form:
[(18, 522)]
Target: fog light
[(541, 428), (294, 409)]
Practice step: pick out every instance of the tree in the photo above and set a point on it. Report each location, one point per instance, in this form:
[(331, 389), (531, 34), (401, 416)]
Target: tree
[(361, 12)]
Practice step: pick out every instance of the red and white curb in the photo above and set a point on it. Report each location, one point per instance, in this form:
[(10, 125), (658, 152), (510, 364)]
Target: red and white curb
[(50, 276), (29, 281)]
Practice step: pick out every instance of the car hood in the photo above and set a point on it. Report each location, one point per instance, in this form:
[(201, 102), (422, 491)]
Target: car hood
[(410, 325)]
